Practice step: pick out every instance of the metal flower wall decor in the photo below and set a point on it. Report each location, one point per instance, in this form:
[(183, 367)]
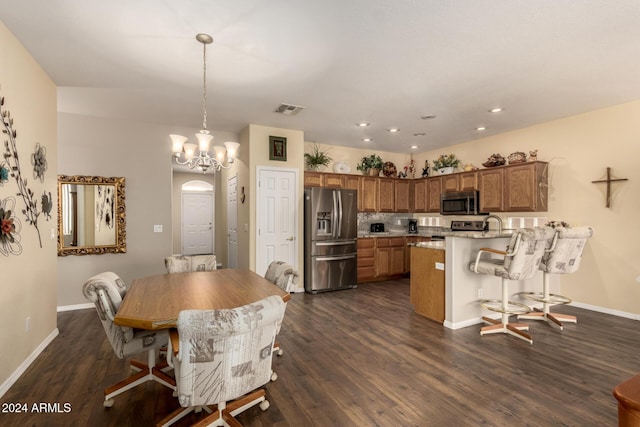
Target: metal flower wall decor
[(12, 164), (10, 227), (39, 162)]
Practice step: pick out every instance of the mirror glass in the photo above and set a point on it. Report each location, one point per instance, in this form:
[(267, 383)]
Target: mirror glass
[(91, 215)]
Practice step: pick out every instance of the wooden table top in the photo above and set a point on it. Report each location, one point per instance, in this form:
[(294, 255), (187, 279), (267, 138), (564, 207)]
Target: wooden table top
[(154, 302)]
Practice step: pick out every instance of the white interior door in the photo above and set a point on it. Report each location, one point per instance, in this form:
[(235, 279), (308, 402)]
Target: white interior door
[(276, 217), (232, 222), (197, 223)]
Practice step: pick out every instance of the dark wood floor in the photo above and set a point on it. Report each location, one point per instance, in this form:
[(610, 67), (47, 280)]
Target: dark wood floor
[(363, 358)]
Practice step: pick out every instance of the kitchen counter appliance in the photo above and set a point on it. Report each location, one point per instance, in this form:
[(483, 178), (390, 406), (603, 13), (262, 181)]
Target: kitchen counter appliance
[(377, 227), (468, 226), (460, 203), (413, 226), (330, 232)]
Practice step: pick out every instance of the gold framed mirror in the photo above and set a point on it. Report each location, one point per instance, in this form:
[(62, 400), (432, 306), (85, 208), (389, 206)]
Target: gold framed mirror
[(91, 215)]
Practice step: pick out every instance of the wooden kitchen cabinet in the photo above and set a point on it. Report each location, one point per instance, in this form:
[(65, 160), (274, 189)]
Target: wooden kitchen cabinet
[(434, 188), (490, 186), (332, 180), (313, 179), (450, 183), (468, 181), (525, 188), (407, 251), (369, 194), (389, 256), (352, 182), (386, 195), (427, 284), (402, 192), (420, 195), (366, 259)]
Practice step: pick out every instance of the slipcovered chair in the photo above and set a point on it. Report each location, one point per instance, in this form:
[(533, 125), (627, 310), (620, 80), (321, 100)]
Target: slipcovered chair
[(519, 262), (106, 291), (224, 355), (562, 256), (285, 276), (186, 263)]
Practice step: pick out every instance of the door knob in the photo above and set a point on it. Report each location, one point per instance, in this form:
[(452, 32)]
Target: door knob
[(290, 238)]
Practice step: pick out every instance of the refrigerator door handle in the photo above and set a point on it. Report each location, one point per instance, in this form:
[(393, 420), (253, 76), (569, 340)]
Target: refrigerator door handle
[(343, 242), (334, 258), (339, 196), (334, 214)]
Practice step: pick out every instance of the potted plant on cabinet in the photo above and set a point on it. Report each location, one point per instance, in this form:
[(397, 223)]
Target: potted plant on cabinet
[(317, 159), (370, 165), (446, 163)]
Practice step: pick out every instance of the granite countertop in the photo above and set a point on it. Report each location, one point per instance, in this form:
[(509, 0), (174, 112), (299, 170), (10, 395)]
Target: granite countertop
[(391, 234), (434, 244), (492, 234)]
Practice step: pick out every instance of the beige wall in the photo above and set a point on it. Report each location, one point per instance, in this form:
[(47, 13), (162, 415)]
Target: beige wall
[(258, 139), (578, 150), (141, 153), (352, 156), (29, 279)]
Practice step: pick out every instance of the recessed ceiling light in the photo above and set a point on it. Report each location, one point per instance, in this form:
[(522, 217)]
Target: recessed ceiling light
[(367, 139), (413, 147), (428, 117), (481, 128), (419, 134), (363, 124), (393, 130), (496, 110)]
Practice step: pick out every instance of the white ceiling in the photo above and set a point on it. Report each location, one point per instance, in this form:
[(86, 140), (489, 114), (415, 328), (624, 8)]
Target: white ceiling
[(386, 62)]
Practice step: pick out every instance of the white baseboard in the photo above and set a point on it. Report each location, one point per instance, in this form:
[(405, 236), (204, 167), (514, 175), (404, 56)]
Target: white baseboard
[(27, 362), (75, 307), (605, 310)]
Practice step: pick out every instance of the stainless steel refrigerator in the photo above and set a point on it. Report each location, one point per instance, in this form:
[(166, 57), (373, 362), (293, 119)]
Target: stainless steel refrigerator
[(330, 232)]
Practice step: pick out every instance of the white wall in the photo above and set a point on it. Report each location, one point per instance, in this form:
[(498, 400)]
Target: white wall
[(28, 284)]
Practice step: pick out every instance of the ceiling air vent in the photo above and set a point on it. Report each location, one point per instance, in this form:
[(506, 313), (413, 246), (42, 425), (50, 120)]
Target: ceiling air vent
[(288, 109)]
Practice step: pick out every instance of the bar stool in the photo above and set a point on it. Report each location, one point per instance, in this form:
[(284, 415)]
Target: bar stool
[(562, 257), (519, 262)]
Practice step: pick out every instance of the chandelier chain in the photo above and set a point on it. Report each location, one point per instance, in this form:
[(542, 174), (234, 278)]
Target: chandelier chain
[(204, 86)]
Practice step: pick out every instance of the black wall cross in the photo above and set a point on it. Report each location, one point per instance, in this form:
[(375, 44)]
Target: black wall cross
[(609, 180)]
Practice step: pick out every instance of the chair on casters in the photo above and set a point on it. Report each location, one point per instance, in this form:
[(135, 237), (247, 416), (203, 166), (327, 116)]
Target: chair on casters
[(562, 257), (106, 291), (519, 262), (285, 276), (224, 355), (187, 263)]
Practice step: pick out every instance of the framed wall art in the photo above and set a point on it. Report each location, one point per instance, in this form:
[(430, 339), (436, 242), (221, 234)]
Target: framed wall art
[(278, 148)]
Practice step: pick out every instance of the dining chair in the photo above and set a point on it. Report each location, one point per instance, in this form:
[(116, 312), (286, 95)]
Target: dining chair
[(562, 256), (187, 263), (519, 262), (106, 291), (223, 358), (285, 276)]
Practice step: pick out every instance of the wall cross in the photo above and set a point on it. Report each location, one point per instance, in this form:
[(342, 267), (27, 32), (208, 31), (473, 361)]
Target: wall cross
[(609, 180)]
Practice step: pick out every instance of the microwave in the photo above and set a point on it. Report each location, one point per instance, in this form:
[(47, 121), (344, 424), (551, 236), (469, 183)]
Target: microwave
[(460, 203)]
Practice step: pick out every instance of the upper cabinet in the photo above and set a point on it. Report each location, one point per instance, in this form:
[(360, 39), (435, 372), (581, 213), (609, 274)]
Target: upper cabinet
[(525, 187), (520, 187)]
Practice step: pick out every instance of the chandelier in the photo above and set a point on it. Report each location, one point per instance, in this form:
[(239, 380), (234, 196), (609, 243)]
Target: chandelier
[(185, 152)]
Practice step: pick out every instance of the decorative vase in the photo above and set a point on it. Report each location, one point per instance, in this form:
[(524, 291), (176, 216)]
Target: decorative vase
[(446, 171), (374, 172)]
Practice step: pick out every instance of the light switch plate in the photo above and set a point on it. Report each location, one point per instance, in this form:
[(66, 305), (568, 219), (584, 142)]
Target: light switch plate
[(157, 228), (439, 266)]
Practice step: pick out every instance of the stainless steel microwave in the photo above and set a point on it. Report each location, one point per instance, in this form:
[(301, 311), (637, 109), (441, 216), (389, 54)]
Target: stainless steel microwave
[(460, 203)]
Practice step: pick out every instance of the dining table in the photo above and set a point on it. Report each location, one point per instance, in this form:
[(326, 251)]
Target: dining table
[(154, 302)]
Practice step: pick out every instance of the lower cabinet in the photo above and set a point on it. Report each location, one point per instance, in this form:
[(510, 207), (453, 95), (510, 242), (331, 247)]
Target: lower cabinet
[(427, 282), (381, 258)]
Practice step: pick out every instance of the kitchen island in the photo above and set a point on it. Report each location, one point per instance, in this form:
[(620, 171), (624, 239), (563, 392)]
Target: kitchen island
[(464, 288)]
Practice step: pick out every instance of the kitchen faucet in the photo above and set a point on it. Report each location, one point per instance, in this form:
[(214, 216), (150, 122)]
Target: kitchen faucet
[(497, 218)]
